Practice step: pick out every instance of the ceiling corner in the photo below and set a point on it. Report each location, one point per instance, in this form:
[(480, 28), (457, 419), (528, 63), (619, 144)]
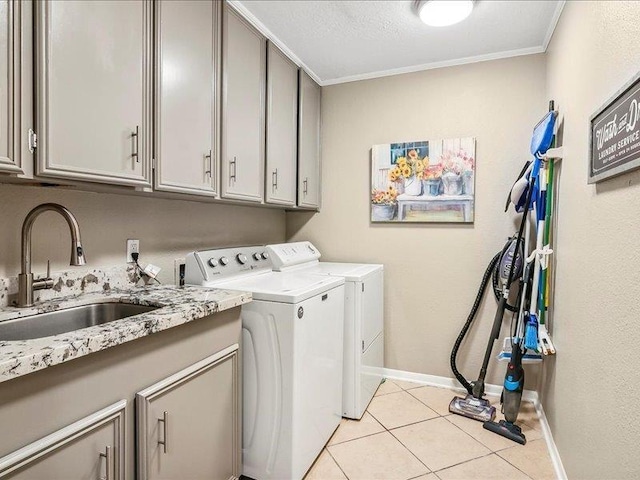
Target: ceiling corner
[(554, 23)]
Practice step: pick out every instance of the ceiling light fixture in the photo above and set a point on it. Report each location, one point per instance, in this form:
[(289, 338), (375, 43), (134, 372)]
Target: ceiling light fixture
[(441, 13)]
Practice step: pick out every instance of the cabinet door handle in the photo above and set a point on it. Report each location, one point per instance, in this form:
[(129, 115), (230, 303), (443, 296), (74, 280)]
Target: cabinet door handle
[(274, 180), (208, 164), (135, 136), (108, 456), (305, 185), (233, 171), (165, 429)]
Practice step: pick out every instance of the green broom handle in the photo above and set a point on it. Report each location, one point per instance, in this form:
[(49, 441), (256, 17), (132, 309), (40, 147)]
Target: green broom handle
[(547, 234)]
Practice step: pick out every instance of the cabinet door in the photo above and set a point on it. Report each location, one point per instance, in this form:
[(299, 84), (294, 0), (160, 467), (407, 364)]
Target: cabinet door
[(243, 110), (90, 448), (282, 128), (309, 143), (187, 95), (93, 90), (189, 423), (15, 90)]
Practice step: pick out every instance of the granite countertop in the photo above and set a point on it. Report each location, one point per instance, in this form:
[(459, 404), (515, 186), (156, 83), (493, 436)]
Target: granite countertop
[(179, 305)]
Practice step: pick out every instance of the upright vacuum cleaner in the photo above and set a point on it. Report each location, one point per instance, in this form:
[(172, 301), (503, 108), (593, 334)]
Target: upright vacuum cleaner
[(505, 267), (527, 324)]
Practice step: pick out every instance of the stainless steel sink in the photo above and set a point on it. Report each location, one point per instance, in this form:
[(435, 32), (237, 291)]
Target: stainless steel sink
[(68, 320)]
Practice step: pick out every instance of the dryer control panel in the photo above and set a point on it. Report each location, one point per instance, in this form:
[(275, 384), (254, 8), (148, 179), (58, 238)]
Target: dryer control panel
[(206, 266), (289, 254)]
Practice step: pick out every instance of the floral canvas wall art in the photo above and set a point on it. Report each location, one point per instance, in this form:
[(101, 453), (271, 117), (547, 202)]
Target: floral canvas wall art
[(423, 181)]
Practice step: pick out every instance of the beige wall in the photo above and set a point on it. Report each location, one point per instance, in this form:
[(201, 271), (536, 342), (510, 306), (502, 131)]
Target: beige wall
[(167, 229), (432, 272), (590, 393)]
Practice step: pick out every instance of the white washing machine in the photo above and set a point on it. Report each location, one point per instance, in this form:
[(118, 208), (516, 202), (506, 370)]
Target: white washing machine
[(363, 318), (292, 337)]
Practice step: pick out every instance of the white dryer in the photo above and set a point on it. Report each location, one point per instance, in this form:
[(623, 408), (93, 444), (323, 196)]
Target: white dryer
[(291, 355), (363, 318)]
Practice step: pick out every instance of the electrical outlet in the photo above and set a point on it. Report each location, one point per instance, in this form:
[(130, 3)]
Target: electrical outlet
[(178, 271), (133, 246)]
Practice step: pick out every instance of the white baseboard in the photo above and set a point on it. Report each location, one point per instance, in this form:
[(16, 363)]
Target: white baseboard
[(561, 474), (493, 391), (446, 382)]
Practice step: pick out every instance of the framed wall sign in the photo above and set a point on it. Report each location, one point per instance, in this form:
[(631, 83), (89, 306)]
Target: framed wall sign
[(614, 144)]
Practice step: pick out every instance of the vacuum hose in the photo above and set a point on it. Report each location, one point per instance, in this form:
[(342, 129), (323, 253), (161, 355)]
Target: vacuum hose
[(483, 286)]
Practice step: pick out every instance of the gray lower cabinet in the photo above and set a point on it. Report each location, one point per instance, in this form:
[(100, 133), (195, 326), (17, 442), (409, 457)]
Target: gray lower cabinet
[(58, 422), (282, 128), (16, 94), (188, 425), (90, 448), (243, 108), (93, 91), (187, 96), (309, 183)]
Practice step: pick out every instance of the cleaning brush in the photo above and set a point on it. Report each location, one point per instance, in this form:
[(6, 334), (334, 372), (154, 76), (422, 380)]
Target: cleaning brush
[(531, 333)]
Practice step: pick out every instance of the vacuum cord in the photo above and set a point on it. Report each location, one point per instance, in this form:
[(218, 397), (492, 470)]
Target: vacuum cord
[(483, 286)]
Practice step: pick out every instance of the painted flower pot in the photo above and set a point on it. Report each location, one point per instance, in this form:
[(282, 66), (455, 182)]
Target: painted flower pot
[(467, 183), (431, 187), (382, 213), (412, 186), (452, 183)]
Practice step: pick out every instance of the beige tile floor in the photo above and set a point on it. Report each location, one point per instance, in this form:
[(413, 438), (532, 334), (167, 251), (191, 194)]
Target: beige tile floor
[(408, 433)]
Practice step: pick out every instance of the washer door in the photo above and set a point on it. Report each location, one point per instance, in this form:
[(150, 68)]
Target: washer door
[(262, 392)]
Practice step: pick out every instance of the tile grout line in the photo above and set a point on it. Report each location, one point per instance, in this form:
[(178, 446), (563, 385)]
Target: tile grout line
[(411, 452), (515, 466), (425, 403), (478, 458), (354, 439), (336, 462), (412, 423), (400, 441), (475, 439)]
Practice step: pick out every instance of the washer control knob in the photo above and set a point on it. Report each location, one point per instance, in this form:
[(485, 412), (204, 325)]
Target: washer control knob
[(265, 255), (242, 258), (224, 261), (213, 263), (257, 256)]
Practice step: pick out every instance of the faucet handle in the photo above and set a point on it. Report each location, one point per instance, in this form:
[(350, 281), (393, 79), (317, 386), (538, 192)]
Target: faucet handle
[(43, 283)]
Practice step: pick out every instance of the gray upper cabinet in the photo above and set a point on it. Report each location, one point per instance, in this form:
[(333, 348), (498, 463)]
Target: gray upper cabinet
[(189, 423), (243, 108), (94, 91), (282, 128), (187, 96), (309, 182), (92, 447), (16, 93)]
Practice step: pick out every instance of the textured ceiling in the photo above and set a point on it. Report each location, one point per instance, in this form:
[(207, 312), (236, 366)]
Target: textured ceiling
[(348, 40)]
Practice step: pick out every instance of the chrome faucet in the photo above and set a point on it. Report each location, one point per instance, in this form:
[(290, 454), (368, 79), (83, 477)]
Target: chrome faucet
[(26, 283)]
